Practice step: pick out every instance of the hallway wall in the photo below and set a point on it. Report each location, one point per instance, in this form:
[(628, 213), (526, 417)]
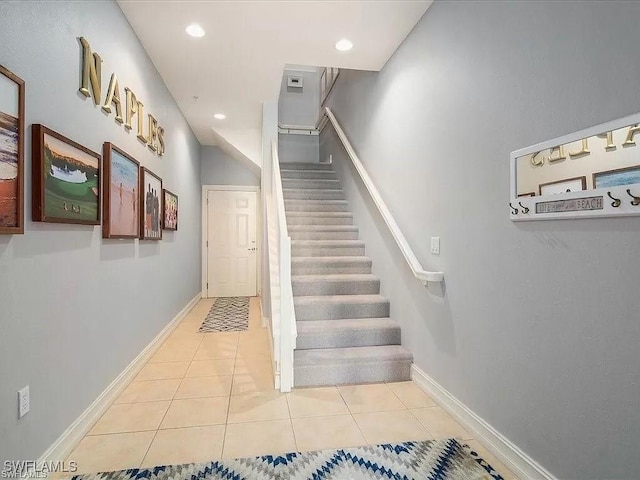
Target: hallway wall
[(75, 309), (218, 168), (538, 332)]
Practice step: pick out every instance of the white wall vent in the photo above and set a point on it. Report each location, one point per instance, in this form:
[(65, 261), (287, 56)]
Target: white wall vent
[(294, 81)]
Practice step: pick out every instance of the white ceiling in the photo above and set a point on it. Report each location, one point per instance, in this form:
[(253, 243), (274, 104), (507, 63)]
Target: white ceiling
[(239, 63)]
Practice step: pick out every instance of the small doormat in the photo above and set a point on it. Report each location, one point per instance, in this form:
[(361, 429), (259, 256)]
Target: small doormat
[(427, 460), (228, 314)]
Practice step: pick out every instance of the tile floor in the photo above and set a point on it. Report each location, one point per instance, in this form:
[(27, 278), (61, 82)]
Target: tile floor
[(207, 396)]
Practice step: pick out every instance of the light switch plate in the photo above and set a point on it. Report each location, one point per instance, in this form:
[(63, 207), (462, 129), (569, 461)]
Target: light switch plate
[(23, 401), (435, 245)]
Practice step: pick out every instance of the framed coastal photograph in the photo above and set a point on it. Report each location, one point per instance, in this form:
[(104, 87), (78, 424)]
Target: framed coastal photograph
[(151, 204), (11, 152), (576, 184), (66, 179), (170, 208), (121, 196), (528, 194), (617, 177)]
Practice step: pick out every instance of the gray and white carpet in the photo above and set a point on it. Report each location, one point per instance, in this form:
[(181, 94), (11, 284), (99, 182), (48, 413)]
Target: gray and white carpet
[(228, 314), (426, 460)]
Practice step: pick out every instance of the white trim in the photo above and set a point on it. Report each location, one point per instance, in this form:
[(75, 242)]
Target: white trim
[(203, 246), (507, 452), (64, 445)]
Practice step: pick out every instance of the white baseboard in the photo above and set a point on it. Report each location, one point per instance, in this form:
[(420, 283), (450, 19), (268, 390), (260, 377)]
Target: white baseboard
[(70, 438), (523, 466)]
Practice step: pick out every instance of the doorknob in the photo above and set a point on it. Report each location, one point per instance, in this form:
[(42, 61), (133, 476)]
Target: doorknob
[(252, 249)]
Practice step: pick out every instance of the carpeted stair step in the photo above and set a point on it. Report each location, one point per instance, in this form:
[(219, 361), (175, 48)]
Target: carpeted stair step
[(312, 194), (326, 248), (319, 218), (330, 265), (323, 232), (305, 166), (313, 184), (336, 366), (335, 307), (316, 206), (337, 284), (351, 332), (308, 174)]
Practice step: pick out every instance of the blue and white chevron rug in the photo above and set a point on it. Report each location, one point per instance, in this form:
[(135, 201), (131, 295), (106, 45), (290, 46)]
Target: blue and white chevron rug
[(425, 460)]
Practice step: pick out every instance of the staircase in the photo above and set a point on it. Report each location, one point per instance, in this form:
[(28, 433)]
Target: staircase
[(345, 334)]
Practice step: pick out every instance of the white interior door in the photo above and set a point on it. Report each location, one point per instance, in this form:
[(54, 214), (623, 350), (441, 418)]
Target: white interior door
[(231, 247)]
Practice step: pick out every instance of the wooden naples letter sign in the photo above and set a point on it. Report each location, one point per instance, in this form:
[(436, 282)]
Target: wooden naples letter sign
[(91, 86)]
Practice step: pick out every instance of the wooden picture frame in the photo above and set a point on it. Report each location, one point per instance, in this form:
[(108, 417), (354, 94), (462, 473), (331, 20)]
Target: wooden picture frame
[(169, 210), (66, 179), (120, 197), (150, 205), (563, 186), (12, 100), (528, 194), (617, 177)]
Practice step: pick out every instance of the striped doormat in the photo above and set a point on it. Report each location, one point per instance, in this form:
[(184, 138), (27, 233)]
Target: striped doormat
[(228, 314), (425, 460)]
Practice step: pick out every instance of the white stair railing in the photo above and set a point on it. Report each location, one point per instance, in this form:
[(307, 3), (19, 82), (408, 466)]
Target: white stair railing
[(282, 309), (420, 273)]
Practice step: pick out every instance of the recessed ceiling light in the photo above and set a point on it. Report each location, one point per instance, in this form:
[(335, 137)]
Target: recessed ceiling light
[(220, 116), (344, 45), (195, 30)]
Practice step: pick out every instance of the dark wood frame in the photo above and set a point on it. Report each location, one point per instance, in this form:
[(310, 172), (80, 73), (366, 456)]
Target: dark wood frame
[(528, 194), (143, 172), (583, 178), (164, 219), (107, 148), (37, 174), (19, 228), (615, 170)]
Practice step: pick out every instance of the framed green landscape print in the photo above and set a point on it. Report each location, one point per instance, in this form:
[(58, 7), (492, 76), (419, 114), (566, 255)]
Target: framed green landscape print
[(151, 203), (66, 179), (170, 208), (11, 152), (120, 195)]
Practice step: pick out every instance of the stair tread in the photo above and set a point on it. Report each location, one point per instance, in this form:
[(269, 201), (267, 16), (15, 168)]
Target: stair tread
[(311, 190), (332, 259), (322, 326), (305, 170), (305, 166), (323, 228), (328, 243), (332, 277), (341, 299), (351, 355), (314, 201), (319, 214)]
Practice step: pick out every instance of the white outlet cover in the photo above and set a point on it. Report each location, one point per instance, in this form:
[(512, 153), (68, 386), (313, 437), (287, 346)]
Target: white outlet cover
[(23, 401), (435, 245)]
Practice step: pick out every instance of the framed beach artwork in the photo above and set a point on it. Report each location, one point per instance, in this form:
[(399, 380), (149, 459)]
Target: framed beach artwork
[(11, 152), (151, 204), (121, 196), (617, 177), (576, 184), (66, 179), (170, 208)]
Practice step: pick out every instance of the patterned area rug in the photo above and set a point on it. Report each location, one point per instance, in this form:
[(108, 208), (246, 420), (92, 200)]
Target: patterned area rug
[(427, 460), (228, 314)]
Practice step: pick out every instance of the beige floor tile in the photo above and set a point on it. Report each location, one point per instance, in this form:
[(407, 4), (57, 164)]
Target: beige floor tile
[(195, 412), (440, 424), (394, 426), (197, 387), (131, 417), (259, 382), (491, 459), (258, 348), (370, 398), (411, 395), (160, 371), (149, 391), (176, 351), (335, 431), (185, 445), (253, 365), (105, 453), (258, 407), (315, 402), (210, 368), (213, 350), (258, 438), (231, 337)]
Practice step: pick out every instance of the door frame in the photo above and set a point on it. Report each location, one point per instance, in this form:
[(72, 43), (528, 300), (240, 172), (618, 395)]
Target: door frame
[(205, 223)]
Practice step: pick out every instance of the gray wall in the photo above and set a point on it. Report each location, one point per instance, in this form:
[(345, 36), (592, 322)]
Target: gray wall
[(538, 332), (75, 309), (299, 106), (218, 168)]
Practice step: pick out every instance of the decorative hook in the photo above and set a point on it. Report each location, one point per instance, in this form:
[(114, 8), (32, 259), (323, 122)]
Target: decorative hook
[(524, 209), (514, 210), (616, 201), (636, 200)]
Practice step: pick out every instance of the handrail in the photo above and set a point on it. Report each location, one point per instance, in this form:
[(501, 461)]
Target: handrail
[(420, 273), (298, 129)]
